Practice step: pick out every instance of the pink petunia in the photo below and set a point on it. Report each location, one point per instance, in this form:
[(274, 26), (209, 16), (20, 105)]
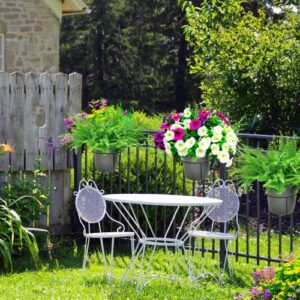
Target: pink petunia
[(175, 117), (178, 134), (204, 114), (69, 122), (165, 126), (195, 124)]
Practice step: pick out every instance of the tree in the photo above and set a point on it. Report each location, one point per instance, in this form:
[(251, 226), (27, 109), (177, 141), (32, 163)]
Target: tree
[(248, 60)]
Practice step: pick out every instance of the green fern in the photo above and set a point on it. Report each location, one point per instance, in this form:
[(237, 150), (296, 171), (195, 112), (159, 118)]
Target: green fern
[(278, 167)]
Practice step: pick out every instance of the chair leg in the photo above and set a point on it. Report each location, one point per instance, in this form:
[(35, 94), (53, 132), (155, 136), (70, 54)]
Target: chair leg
[(86, 249), (111, 258), (140, 284), (104, 257)]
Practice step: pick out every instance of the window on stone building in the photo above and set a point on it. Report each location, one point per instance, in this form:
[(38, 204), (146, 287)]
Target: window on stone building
[(2, 54)]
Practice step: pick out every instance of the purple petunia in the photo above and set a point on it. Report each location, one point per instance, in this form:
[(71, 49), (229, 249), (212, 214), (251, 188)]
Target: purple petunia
[(204, 114), (165, 126), (158, 137), (69, 122), (160, 146), (195, 124), (178, 134), (82, 115)]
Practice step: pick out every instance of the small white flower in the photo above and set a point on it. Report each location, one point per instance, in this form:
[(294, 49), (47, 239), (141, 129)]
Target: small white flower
[(233, 148), (168, 149), (215, 149), (202, 131), (229, 163), (175, 126), (204, 143), (225, 147), (218, 129), (189, 143), (231, 137), (183, 152), (186, 123), (187, 112), (200, 152), (179, 145), (169, 135), (216, 137), (223, 157)]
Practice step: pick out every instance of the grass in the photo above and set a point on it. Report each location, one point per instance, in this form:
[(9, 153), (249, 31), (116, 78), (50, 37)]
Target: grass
[(61, 277)]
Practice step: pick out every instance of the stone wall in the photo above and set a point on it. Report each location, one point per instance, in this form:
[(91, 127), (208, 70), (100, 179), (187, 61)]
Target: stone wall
[(31, 36)]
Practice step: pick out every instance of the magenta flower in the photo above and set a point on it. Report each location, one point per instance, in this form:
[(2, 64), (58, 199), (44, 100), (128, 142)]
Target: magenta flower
[(158, 137), (68, 122), (160, 146), (195, 124), (175, 117), (65, 139), (204, 114), (165, 126), (178, 134)]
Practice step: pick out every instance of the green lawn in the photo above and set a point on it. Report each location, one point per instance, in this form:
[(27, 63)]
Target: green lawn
[(61, 277)]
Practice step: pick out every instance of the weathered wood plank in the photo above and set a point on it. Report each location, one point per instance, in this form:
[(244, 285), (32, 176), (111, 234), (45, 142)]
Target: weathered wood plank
[(4, 117), (32, 120), (60, 111), (46, 105), (17, 83)]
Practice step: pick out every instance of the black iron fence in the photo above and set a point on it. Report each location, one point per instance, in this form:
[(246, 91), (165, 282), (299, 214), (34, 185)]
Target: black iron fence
[(145, 169)]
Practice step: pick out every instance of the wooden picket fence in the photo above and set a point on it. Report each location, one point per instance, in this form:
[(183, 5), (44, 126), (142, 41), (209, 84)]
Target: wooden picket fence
[(32, 111)]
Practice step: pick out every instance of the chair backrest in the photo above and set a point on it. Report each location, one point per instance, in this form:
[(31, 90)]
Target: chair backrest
[(229, 208), (90, 205)]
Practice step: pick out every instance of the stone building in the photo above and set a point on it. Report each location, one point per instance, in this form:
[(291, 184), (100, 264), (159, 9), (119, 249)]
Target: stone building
[(29, 33)]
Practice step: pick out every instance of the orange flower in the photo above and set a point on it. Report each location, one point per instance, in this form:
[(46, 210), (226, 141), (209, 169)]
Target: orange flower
[(6, 148)]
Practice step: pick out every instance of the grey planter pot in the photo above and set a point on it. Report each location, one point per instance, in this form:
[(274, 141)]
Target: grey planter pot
[(281, 205), (196, 169), (106, 163)]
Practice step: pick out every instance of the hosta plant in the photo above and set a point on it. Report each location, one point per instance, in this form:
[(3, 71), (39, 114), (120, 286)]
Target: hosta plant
[(277, 168), (197, 133)]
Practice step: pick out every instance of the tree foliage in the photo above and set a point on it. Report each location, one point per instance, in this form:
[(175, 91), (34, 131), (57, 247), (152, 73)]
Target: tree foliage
[(248, 59), (129, 50)]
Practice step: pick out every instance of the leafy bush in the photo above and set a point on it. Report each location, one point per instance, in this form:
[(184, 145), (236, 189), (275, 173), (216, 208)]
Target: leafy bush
[(278, 167), (14, 237), (248, 62), (277, 283), (27, 196)]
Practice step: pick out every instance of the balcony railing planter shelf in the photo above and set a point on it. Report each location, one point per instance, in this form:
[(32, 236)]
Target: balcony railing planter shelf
[(281, 204), (196, 169), (106, 162)]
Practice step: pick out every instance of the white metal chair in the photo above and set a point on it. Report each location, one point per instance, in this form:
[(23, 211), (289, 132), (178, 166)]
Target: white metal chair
[(91, 209), (223, 213)]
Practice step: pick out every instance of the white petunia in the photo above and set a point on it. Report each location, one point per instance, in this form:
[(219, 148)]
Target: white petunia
[(168, 149), (175, 126), (233, 148), (200, 152), (179, 145), (189, 143), (223, 157), (202, 131), (231, 137), (204, 143), (229, 163), (225, 147), (183, 152), (186, 123), (169, 135), (187, 112), (216, 137), (215, 149), (218, 129)]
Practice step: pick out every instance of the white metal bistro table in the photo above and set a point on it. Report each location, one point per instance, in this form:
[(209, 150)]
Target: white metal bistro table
[(182, 205)]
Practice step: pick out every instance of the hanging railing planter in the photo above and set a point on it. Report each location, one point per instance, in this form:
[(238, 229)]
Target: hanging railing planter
[(106, 162), (196, 169), (281, 204)]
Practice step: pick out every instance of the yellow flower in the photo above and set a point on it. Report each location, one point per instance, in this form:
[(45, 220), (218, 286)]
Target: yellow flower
[(6, 148)]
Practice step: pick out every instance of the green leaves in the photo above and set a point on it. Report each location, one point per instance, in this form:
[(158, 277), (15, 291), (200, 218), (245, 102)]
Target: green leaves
[(278, 167)]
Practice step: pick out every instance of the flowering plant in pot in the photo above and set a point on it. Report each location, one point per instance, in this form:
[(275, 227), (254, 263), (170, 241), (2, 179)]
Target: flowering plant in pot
[(278, 168), (106, 131), (193, 136)]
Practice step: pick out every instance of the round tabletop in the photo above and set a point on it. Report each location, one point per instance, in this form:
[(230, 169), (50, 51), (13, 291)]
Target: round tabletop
[(162, 199)]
